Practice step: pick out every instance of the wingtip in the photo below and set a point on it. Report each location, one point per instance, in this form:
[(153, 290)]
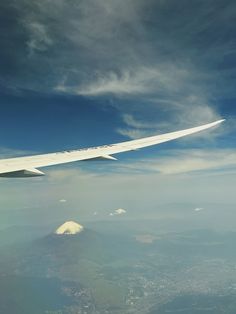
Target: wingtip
[(217, 122)]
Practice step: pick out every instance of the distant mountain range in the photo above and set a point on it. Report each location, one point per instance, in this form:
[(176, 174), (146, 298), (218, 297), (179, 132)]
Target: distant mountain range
[(108, 271), (70, 263)]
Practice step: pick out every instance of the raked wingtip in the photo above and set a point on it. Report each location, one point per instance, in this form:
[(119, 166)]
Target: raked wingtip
[(217, 122)]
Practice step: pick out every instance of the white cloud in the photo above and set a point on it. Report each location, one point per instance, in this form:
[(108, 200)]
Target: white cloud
[(62, 201), (136, 127), (184, 117), (180, 161), (120, 211), (39, 39), (64, 174), (113, 84), (139, 80), (133, 133), (136, 80), (131, 121), (166, 96), (197, 209), (197, 160)]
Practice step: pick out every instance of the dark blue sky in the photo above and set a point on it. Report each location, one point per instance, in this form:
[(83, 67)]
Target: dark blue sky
[(84, 73), (35, 121)]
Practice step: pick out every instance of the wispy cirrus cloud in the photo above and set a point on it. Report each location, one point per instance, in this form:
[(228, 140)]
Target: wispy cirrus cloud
[(178, 116), (39, 39), (173, 93), (119, 47), (136, 81), (186, 161)]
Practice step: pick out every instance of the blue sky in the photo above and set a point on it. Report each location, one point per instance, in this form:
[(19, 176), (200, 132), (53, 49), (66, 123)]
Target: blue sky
[(83, 73)]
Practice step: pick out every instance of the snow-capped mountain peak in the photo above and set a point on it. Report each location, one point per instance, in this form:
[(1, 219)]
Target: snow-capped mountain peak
[(69, 227)]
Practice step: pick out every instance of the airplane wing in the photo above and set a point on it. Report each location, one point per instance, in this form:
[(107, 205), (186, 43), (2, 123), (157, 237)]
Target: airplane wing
[(28, 166)]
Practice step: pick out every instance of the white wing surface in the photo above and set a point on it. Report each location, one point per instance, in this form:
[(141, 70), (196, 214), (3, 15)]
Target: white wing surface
[(27, 166)]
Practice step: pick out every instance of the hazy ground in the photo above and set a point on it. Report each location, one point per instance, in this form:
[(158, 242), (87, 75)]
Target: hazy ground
[(118, 267)]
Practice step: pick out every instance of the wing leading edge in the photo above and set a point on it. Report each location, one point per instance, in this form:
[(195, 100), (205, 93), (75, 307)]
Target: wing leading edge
[(27, 166)]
